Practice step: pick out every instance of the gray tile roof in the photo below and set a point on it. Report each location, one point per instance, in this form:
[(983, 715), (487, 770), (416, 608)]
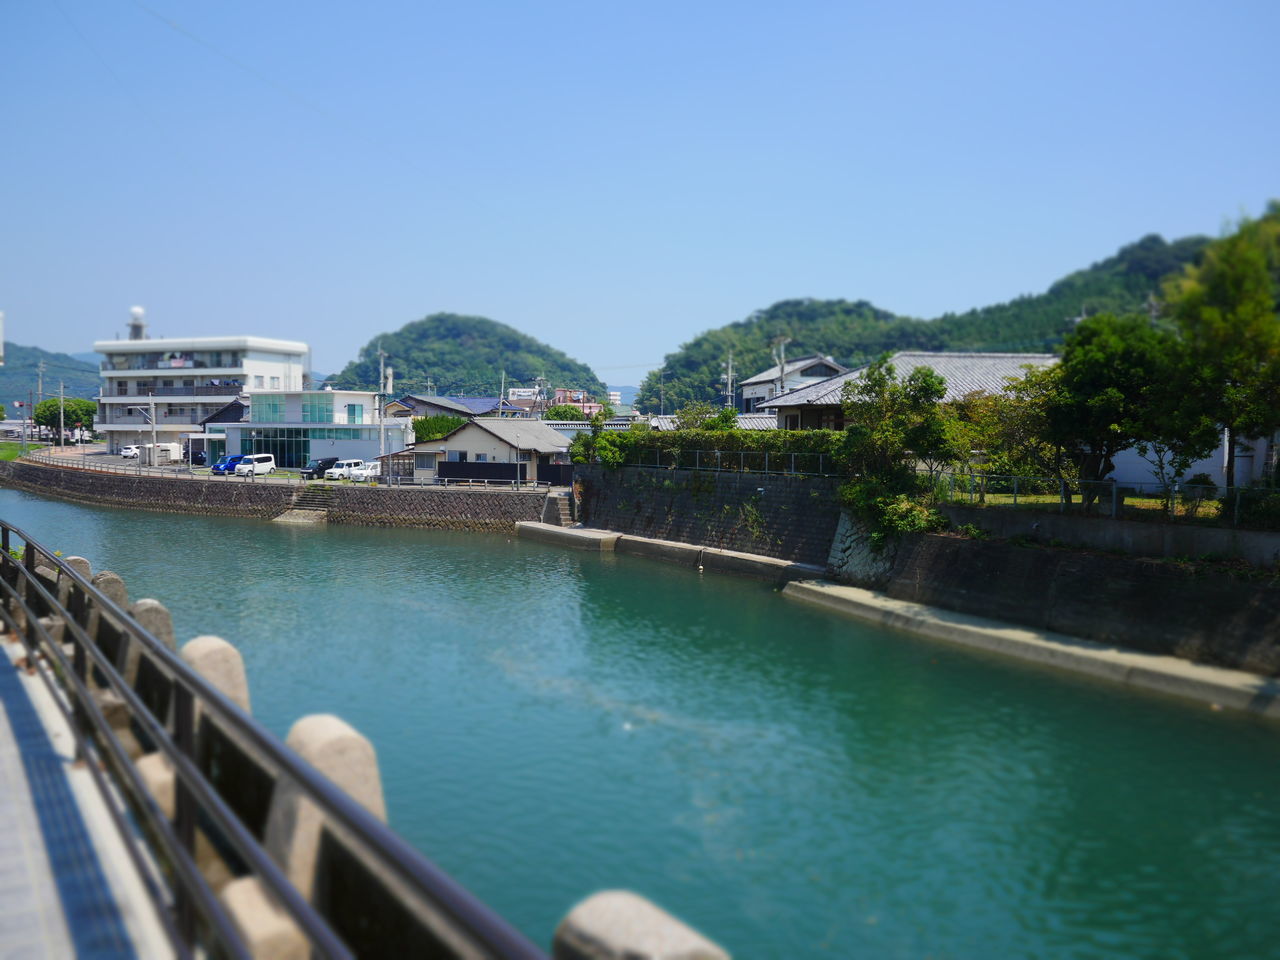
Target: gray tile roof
[(792, 366), (526, 434), (964, 373), (746, 421)]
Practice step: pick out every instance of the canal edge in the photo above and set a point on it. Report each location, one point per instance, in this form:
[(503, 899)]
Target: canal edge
[(1221, 687)]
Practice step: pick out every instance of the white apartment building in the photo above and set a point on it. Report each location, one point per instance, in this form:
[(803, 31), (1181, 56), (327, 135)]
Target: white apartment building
[(164, 388)]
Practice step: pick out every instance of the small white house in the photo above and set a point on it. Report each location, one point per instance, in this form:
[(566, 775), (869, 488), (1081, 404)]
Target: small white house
[(494, 440)]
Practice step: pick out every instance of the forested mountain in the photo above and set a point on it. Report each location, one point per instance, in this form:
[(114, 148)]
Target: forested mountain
[(465, 356), (19, 377), (853, 333)]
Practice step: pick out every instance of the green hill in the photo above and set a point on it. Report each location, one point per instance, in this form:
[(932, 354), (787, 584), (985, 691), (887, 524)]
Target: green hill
[(465, 356), (20, 375), (853, 333)]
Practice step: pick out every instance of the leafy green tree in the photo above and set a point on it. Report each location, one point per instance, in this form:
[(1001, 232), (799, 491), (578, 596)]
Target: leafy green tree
[(700, 415), (434, 427), (1013, 429), (1108, 364), (892, 422), (564, 411), (75, 413), (1226, 308)]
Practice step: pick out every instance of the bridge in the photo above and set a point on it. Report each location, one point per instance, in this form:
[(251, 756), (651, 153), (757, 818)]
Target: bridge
[(150, 815)]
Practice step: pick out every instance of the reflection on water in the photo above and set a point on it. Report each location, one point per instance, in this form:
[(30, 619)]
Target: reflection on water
[(550, 723)]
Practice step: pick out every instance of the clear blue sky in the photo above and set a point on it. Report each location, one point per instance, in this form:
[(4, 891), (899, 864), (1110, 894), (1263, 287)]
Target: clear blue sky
[(611, 179)]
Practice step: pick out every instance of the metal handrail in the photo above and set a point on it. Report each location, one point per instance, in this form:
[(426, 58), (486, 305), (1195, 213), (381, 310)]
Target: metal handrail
[(471, 920)]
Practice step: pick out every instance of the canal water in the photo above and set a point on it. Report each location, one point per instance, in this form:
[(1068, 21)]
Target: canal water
[(550, 723)]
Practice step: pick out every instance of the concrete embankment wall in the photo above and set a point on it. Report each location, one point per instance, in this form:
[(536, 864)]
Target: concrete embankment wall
[(788, 518), (1203, 614), (232, 497), (1137, 537)]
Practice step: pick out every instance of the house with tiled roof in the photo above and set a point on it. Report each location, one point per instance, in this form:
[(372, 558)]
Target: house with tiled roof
[(800, 372), (487, 441), (818, 405), (419, 405)]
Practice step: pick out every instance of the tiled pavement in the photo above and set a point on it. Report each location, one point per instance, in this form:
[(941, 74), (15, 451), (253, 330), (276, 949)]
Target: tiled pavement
[(54, 899)]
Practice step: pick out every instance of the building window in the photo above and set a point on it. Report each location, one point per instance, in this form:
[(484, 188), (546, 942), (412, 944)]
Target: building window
[(257, 382), (166, 383), (424, 461), (792, 421), (456, 456), (275, 383), (482, 458), (267, 407), (355, 413), (317, 408)]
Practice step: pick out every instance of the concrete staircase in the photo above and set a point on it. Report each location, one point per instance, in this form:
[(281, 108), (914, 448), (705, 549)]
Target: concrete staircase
[(555, 510), (310, 505)]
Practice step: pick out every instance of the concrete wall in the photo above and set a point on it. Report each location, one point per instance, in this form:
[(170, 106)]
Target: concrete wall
[(789, 518), (1206, 616), (369, 506), (1137, 537)]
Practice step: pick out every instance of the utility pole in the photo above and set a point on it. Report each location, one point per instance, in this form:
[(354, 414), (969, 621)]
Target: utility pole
[(40, 381), (662, 392), (780, 355), (154, 458), (728, 382), (62, 413), (502, 391), (382, 383)]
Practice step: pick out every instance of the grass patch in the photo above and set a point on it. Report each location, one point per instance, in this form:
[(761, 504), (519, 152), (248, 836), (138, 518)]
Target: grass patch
[(12, 450)]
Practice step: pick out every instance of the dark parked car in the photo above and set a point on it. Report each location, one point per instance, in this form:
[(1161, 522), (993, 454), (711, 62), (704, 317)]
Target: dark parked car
[(314, 470), (227, 463)]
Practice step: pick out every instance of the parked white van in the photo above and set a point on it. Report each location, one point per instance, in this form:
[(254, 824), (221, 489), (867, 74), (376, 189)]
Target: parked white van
[(256, 464), (342, 469), (370, 471)]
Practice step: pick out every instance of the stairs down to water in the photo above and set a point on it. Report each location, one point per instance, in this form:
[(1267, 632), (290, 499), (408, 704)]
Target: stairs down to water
[(310, 505), (556, 511)]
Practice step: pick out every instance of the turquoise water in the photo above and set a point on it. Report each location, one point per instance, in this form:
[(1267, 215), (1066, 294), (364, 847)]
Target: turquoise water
[(793, 784)]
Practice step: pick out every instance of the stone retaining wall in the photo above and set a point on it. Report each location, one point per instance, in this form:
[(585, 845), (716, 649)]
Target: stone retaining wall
[(369, 506), (789, 518), (1205, 616)]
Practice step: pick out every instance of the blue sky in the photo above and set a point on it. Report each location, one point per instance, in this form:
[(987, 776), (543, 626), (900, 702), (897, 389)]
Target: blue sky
[(612, 179)]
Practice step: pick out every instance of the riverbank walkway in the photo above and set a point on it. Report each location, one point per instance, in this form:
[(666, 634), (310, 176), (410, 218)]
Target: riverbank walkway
[(64, 891)]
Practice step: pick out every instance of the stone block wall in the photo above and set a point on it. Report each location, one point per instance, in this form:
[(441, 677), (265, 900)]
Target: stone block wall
[(790, 518), (446, 508), (370, 506), (1207, 616), (218, 497)]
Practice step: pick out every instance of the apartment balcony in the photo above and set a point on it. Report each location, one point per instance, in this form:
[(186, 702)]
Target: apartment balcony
[(162, 420), (123, 367), (208, 390)]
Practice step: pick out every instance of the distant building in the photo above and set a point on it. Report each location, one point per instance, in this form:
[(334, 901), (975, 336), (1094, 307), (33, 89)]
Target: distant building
[(576, 398), (164, 388), (615, 398), (300, 425), (419, 405), (495, 440), (819, 406), (799, 373)]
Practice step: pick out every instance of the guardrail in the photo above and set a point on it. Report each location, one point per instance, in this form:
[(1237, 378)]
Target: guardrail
[(81, 642), (737, 461)]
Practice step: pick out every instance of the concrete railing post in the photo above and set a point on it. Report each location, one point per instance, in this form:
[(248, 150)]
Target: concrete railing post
[(621, 925)]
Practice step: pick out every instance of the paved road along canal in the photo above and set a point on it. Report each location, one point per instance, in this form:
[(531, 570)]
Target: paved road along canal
[(550, 723)]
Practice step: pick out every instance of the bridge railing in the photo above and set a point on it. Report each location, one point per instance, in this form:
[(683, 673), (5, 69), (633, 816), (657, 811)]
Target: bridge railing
[(124, 692)]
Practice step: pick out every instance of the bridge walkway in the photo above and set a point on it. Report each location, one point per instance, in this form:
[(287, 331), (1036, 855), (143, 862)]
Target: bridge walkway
[(62, 890)]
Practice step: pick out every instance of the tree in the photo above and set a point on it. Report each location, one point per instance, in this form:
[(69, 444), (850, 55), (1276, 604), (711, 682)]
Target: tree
[(75, 413), (564, 411), (889, 423), (434, 427), (1100, 406), (1226, 307), (700, 415)]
